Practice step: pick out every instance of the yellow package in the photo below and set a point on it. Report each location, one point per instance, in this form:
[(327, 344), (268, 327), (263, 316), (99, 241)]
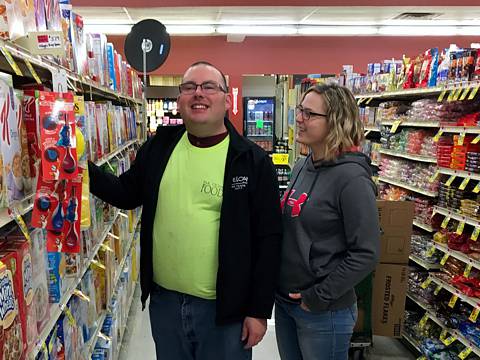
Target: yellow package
[(85, 220)]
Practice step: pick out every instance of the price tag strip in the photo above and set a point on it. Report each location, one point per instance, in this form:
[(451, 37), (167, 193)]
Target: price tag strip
[(474, 315), (475, 234), (474, 92), (450, 180), (437, 135), (426, 283), (463, 355), (442, 95), (445, 222), (395, 126), (464, 183), (423, 321), (460, 227), (467, 271), (444, 261), (453, 301), (434, 176), (437, 290)]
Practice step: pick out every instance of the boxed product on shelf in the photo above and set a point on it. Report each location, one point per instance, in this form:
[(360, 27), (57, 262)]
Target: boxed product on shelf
[(23, 278), (56, 270), (13, 345), (16, 304), (67, 28), (111, 67), (15, 185), (39, 278), (79, 44), (53, 15)]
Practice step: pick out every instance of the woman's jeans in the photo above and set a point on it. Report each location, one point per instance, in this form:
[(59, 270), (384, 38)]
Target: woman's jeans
[(303, 335)]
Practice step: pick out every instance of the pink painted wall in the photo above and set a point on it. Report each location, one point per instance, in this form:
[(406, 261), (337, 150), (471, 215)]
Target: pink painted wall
[(291, 55)]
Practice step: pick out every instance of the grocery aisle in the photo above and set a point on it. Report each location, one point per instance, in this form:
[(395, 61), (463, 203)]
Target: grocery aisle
[(138, 341)]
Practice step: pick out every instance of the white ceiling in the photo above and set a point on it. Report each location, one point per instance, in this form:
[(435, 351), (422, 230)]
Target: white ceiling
[(283, 15)]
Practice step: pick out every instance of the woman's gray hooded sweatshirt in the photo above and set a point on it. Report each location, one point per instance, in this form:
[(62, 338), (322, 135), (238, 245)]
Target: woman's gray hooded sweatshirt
[(331, 231)]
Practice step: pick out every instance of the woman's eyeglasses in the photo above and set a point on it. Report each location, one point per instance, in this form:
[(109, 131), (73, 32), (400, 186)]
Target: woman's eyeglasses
[(306, 114)]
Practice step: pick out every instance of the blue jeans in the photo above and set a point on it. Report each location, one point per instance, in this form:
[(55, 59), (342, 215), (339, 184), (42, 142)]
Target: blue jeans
[(313, 336), (183, 328)]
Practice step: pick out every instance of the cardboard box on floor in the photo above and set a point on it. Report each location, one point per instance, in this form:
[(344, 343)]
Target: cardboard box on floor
[(389, 292), (390, 278), (396, 221)]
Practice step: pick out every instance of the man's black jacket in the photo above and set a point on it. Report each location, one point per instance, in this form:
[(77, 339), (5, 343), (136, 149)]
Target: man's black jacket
[(250, 221)]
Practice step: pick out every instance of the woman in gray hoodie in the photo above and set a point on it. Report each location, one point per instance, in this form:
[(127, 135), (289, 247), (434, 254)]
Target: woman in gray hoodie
[(331, 230)]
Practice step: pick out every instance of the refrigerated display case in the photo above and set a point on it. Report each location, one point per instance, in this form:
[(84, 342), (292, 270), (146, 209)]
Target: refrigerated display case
[(259, 120)]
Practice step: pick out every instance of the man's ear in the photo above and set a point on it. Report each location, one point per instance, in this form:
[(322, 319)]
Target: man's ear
[(228, 101)]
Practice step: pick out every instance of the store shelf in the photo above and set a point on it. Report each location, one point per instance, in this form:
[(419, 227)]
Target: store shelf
[(417, 92), (412, 342), (459, 173), (423, 226), (90, 347), (86, 85), (458, 255), (426, 159), (424, 264), (408, 187), (57, 309), (421, 124), (371, 128), (461, 129), (260, 136), (23, 207), (116, 152), (127, 251), (474, 302), (456, 216)]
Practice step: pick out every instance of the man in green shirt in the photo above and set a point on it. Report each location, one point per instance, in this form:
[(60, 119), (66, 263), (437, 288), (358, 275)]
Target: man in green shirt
[(211, 227)]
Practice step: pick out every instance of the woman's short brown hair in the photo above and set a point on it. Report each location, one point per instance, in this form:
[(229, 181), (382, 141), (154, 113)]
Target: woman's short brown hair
[(345, 130)]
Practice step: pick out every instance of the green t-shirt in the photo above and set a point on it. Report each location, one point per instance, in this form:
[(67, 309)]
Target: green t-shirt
[(187, 219)]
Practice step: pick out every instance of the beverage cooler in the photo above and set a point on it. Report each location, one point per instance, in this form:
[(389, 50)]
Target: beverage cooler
[(259, 121)]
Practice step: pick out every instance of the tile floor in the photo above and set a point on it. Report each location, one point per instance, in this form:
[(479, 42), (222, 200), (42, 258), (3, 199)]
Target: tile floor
[(138, 341)]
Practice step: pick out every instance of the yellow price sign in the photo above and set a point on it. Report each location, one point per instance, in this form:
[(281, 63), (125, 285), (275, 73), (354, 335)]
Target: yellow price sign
[(450, 180), (32, 71), (476, 189), (98, 264), (359, 101), (426, 283), (442, 95), (430, 251), (463, 355), (70, 317), (11, 61), (422, 358), (437, 290), (434, 176), (280, 159), (475, 234), (467, 271), (460, 227), (445, 222), (476, 140), (443, 334), (15, 214), (395, 126), (369, 101), (423, 321), (464, 94), (474, 92), (464, 183), (461, 139), (474, 315), (437, 135), (444, 259), (451, 95), (457, 94), (449, 340), (453, 301)]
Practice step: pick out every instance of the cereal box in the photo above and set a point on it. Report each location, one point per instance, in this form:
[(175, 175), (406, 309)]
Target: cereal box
[(9, 312)]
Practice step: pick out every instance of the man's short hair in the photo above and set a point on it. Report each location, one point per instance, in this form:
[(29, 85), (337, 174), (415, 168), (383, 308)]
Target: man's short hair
[(206, 63)]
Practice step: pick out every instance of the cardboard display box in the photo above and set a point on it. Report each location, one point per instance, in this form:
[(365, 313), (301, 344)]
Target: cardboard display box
[(389, 292), (396, 219)]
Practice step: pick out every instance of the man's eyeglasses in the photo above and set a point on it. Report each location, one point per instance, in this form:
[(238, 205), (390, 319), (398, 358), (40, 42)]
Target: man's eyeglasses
[(208, 87), (306, 114)]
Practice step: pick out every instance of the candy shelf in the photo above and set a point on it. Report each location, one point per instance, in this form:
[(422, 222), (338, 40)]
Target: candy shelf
[(459, 173), (456, 216), (466, 299), (457, 255), (424, 264), (421, 124), (372, 128), (423, 226), (461, 129), (426, 159), (408, 187)]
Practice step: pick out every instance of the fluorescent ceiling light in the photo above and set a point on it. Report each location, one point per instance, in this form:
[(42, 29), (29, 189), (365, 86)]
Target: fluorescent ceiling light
[(108, 29), (338, 30), (418, 30), (257, 30), (469, 30), (190, 29)]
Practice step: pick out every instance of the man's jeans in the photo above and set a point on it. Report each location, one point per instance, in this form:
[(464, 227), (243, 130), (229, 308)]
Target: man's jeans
[(183, 328), (313, 336)]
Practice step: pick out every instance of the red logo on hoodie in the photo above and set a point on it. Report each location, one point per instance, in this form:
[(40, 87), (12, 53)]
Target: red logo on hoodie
[(295, 204)]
